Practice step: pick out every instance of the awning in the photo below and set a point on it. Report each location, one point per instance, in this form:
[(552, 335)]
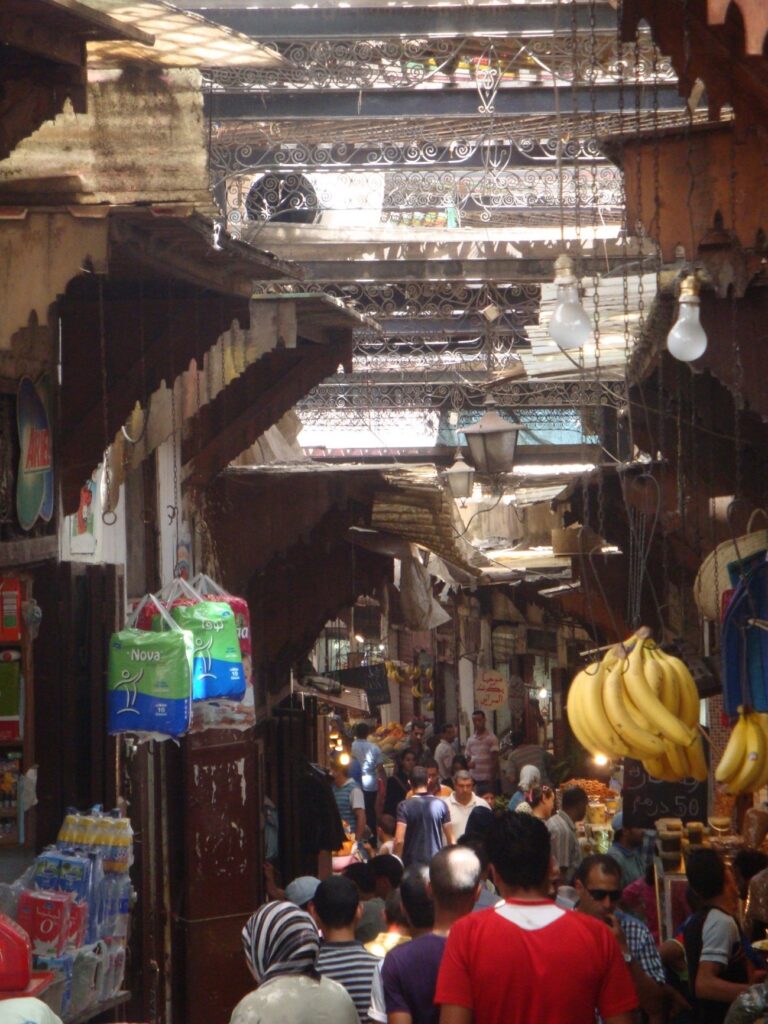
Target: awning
[(417, 508), (170, 291), (188, 245)]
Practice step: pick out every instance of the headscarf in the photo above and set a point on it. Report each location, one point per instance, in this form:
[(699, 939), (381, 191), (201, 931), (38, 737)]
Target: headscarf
[(280, 939), (530, 776)]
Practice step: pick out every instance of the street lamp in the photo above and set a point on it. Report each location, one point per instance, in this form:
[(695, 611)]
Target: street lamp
[(493, 442), (460, 477)]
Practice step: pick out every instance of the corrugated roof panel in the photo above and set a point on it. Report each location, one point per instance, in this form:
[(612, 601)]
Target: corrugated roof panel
[(181, 39)]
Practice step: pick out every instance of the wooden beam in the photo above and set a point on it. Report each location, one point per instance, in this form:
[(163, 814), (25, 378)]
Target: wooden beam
[(253, 402), (177, 325)]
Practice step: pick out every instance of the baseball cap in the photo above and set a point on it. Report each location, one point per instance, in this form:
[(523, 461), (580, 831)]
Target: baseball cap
[(301, 890)]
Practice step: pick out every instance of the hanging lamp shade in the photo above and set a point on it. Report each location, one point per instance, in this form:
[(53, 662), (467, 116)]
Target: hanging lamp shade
[(460, 478), (493, 443)]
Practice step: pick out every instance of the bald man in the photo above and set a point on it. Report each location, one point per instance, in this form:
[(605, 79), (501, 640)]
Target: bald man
[(409, 973)]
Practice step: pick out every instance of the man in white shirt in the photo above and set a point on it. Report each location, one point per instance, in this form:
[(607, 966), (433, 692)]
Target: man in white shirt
[(372, 766), (482, 750), (462, 802), (562, 830), (445, 752)]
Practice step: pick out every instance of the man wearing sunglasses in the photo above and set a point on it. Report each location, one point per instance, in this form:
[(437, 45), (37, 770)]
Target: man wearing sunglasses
[(598, 884)]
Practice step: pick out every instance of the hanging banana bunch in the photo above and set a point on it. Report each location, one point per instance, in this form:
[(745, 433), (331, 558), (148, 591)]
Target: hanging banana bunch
[(744, 764), (643, 703)]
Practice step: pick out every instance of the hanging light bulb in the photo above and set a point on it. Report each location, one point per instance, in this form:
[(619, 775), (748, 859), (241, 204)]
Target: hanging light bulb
[(687, 340), (570, 327)]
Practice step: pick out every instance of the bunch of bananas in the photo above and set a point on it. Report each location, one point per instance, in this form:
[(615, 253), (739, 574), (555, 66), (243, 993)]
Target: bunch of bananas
[(640, 702), (744, 764)]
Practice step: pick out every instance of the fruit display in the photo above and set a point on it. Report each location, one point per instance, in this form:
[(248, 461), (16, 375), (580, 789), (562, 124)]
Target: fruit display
[(419, 679), (594, 788), (391, 738), (743, 768), (640, 702)]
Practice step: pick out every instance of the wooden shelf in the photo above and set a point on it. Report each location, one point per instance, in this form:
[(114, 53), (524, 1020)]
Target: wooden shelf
[(9, 812), (99, 1008)]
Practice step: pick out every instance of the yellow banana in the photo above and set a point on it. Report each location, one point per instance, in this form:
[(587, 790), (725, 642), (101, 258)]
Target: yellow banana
[(650, 706), (638, 740), (634, 713), (657, 669), (754, 758), (733, 755), (659, 768), (688, 694), (678, 762), (575, 716), (594, 717), (697, 762), (762, 720), (654, 675)]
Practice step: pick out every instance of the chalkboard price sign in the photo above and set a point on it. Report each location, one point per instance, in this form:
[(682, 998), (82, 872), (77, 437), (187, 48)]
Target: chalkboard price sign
[(646, 799)]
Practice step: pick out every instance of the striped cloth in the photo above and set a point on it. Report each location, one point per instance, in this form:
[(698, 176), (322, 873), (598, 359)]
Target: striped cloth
[(352, 966), (280, 939)]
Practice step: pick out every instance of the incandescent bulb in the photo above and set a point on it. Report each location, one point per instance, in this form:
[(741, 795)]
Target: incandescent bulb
[(543, 693), (600, 760), (569, 327), (687, 340)]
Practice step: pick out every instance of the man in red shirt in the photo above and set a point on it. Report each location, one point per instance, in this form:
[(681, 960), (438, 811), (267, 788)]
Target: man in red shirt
[(527, 959)]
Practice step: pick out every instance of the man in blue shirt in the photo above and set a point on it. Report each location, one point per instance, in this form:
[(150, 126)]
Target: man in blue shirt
[(627, 850), (423, 822), (371, 762)]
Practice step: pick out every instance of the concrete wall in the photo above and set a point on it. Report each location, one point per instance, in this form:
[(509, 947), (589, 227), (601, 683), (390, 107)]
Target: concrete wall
[(142, 139)]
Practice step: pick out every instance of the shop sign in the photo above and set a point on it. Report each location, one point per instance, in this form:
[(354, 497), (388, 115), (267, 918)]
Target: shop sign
[(646, 799), (490, 690), (34, 483)]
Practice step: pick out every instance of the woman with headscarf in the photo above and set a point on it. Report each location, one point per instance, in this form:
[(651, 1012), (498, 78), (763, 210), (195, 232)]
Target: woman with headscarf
[(529, 777), (281, 946)]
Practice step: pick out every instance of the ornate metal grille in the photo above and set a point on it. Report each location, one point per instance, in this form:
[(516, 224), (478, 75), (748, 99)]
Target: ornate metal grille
[(501, 307), (440, 198), (344, 401), (409, 63)]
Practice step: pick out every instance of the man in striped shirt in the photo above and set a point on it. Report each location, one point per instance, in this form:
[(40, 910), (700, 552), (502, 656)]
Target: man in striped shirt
[(337, 910)]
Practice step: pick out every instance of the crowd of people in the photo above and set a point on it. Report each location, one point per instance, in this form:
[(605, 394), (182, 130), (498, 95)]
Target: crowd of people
[(472, 911)]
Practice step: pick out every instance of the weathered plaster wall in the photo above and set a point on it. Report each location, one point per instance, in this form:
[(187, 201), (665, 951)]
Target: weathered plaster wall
[(142, 139), (39, 254)]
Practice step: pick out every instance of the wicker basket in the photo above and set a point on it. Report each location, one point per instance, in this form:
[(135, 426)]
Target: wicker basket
[(712, 579)]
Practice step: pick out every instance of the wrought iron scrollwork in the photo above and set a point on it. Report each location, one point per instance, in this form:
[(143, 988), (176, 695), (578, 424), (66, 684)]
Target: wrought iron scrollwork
[(500, 307), (345, 398), (408, 63)]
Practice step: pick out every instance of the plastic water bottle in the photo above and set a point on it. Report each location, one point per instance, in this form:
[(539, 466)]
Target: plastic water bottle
[(68, 831), (124, 892), (108, 906)]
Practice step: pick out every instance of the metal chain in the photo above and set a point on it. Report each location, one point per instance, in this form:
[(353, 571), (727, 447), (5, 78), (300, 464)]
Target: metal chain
[(639, 226), (738, 398), (576, 131), (173, 509)]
